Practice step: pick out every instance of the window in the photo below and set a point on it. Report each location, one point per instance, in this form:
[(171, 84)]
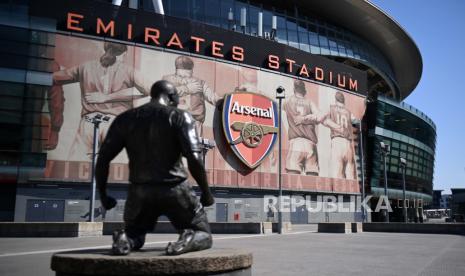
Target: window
[(198, 8), (237, 15), (180, 8), (303, 37), (342, 48), (212, 9), (314, 43), (226, 6), (253, 19), (292, 33), (333, 47), (281, 33)]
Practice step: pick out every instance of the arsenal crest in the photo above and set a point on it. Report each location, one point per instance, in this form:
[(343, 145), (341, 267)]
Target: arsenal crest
[(250, 123)]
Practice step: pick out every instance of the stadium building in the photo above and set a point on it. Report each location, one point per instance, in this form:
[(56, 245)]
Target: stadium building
[(345, 66)]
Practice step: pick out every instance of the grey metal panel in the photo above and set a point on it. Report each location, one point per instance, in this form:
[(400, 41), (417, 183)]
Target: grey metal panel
[(221, 212), (54, 210), (300, 215), (75, 209), (35, 210), (45, 210)]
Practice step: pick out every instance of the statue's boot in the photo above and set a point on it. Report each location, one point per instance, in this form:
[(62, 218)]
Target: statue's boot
[(189, 241), (121, 244)]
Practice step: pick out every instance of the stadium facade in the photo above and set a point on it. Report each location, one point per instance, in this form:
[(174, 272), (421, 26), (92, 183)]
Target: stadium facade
[(346, 67)]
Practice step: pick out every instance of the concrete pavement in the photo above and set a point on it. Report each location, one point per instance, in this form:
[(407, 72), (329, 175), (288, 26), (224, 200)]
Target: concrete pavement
[(301, 252)]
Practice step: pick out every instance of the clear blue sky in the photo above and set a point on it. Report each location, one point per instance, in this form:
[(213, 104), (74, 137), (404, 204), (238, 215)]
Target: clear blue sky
[(438, 28)]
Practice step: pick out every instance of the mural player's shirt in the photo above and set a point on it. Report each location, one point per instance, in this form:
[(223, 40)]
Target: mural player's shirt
[(299, 106), (56, 101), (341, 116), (93, 77), (192, 101)]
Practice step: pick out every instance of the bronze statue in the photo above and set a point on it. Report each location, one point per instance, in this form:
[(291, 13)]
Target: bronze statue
[(156, 136)]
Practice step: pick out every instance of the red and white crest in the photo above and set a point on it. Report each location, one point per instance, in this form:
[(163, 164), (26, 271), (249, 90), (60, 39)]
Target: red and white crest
[(250, 123)]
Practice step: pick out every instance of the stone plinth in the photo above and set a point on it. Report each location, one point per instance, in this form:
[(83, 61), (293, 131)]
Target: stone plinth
[(216, 227), (335, 227), (153, 262)]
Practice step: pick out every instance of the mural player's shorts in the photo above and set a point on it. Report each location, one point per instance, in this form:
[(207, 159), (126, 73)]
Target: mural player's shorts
[(302, 156)]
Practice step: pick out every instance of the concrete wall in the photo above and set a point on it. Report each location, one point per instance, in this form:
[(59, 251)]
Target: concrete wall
[(242, 206), (426, 228)]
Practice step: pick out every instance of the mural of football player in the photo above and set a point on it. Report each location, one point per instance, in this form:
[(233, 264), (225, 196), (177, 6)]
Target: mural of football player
[(339, 120), (193, 92), (248, 81), (303, 117), (56, 102), (106, 86)]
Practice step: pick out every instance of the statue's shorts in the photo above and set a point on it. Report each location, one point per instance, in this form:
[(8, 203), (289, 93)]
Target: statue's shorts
[(146, 202)]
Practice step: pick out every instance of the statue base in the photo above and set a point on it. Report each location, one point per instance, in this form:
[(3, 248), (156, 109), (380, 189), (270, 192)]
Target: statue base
[(153, 261)]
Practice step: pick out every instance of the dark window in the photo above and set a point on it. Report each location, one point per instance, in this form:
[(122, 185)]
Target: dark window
[(198, 10), (281, 32), (226, 6), (212, 9), (292, 33)]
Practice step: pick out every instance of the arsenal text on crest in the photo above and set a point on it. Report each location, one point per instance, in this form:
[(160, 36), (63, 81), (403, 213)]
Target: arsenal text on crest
[(251, 110)]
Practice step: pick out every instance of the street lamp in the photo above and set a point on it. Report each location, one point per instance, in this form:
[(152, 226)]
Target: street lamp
[(403, 165), (358, 124), (385, 150), (280, 95), (96, 120), (206, 146)]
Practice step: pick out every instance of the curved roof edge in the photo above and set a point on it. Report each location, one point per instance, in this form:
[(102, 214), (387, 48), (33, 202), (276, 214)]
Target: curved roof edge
[(371, 23)]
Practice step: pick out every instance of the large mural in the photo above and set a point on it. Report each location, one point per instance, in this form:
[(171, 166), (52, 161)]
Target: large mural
[(104, 78)]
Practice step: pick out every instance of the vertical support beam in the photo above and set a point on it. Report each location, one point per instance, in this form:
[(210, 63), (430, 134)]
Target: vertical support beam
[(260, 24), (94, 161), (280, 198), (386, 186), (362, 163), (404, 207), (158, 5)]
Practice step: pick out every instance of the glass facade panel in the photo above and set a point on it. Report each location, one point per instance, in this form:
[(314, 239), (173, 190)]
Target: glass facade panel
[(394, 125), (324, 46), (292, 34), (309, 34), (405, 123), (212, 9), (180, 8), (267, 20), (239, 5), (225, 7), (253, 19), (281, 33), (198, 10)]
